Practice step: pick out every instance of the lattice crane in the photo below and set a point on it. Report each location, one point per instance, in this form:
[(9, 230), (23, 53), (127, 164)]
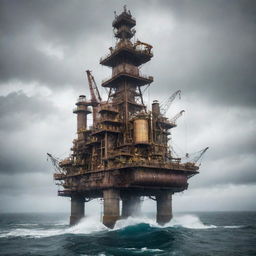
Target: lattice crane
[(165, 105), (199, 155), (55, 163), (174, 119), (95, 94), (94, 91), (195, 157)]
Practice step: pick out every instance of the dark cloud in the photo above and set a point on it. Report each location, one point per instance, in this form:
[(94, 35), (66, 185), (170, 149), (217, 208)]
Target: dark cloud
[(228, 170), (210, 50), (19, 158), (21, 118), (61, 21), (27, 28), (230, 134), (37, 182), (17, 110)]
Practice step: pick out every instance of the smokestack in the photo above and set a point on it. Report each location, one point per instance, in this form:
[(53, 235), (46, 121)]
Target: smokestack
[(155, 108), (81, 111)]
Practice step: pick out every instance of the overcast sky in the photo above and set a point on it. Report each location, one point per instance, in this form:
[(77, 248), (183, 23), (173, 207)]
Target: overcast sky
[(205, 48)]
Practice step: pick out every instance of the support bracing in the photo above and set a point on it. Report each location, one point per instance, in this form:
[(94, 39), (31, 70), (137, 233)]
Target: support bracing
[(111, 207), (164, 207), (77, 209)]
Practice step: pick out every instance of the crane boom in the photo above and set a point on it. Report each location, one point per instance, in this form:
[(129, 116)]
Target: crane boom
[(95, 95), (55, 162), (200, 154), (167, 103), (94, 91), (174, 119)]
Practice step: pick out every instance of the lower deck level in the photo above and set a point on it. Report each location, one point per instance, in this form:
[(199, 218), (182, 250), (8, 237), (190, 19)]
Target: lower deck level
[(126, 185), (131, 206)]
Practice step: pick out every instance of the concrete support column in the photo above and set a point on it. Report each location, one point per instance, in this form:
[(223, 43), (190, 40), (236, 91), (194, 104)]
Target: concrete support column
[(77, 209), (164, 207), (111, 207), (131, 206)]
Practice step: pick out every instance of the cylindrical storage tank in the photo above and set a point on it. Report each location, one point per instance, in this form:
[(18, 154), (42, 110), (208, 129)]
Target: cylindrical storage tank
[(140, 131)]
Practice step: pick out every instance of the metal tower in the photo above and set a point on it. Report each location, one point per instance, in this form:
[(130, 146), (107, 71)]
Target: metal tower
[(125, 154)]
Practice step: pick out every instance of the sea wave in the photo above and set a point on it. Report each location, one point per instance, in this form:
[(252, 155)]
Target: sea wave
[(143, 249), (27, 224), (238, 226), (85, 226), (185, 221), (189, 221), (90, 225)]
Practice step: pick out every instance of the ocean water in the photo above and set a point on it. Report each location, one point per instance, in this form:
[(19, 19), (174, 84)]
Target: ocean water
[(213, 234)]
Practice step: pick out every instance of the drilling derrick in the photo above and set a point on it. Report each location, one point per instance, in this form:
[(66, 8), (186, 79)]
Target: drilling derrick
[(124, 155)]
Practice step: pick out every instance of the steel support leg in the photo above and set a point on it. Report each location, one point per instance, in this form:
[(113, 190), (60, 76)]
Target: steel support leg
[(111, 207), (77, 209), (164, 207)]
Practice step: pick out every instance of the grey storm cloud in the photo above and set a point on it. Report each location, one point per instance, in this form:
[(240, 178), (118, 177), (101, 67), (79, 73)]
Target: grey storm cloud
[(205, 48), (18, 110), (211, 51), (26, 25)]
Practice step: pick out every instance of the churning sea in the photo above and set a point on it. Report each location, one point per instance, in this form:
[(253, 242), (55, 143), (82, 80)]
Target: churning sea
[(211, 233)]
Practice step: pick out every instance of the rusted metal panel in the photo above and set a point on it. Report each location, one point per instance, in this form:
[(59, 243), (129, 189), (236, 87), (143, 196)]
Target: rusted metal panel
[(158, 178)]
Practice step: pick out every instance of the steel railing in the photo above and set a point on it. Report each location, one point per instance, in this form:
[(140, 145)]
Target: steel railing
[(138, 75)]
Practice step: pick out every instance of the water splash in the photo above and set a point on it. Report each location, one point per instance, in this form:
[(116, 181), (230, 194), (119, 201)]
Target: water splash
[(35, 233), (92, 224), (132, 221), (189, 221), (85, 226), (239, 226), (185, 221)]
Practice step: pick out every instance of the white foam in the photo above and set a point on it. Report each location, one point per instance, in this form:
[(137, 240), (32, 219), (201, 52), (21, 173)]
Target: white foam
[(93, 224), (144, 249), (233, 226), (35, 233), (132, 221), (27, 224), (61, 223), (85, 226), (188, 221), (100, 254)]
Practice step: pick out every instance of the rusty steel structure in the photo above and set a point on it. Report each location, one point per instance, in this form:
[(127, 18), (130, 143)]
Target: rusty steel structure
[(124, 155)]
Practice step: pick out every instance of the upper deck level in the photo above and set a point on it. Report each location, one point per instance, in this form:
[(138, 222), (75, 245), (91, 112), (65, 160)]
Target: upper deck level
[(137, 53)]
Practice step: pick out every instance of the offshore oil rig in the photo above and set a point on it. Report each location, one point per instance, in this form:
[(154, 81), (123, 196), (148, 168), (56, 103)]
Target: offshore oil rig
[(124, 155)]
